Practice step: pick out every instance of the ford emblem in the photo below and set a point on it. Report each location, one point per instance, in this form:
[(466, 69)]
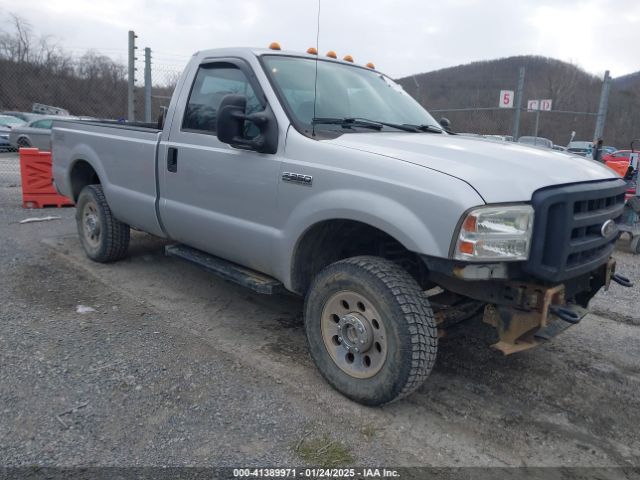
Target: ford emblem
[(608, 228)]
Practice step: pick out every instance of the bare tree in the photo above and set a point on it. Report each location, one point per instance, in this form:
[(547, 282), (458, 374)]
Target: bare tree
[(17, 46), (93, 66)]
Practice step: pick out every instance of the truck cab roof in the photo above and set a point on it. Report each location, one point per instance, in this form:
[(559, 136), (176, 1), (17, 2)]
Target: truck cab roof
[(245, 52)]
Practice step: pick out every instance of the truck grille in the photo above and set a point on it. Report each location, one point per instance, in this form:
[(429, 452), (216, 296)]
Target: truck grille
[(567, 232)]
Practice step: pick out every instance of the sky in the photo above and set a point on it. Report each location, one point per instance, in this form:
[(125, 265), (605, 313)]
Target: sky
[(401, 37)]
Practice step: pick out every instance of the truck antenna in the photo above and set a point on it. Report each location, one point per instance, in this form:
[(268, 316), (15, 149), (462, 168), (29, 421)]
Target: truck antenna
[(315, 80)]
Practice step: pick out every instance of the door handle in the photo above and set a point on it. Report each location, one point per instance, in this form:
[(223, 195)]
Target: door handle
[(172, 159)]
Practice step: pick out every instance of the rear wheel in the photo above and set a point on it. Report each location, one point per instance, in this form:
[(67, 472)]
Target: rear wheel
[(103, 237), (23, 143), (370, 329)]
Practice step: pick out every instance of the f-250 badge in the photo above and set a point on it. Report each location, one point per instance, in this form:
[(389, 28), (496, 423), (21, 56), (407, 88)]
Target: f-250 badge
[(297, 178)]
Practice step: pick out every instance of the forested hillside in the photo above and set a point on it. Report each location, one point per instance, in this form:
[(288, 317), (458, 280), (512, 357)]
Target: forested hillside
[(572, 89), (33, 69)]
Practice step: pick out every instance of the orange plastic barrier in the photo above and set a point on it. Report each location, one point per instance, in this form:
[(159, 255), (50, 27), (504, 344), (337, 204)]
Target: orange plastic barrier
[(37, 181), (620, 167)]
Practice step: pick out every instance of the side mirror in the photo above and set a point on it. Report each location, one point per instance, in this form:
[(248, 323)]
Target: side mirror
[(231, 120)]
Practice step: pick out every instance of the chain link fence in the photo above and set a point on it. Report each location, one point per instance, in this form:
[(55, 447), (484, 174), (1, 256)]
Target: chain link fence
[(89, 86), (97, 85), (557, 126), (164, 80), (573, 100)]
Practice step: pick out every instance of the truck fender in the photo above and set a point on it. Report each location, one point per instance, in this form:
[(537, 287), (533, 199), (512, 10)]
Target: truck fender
[(369, 208), (84, 153)]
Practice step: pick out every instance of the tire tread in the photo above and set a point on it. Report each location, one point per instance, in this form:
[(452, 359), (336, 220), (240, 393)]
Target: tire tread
[(417, 314), (117, 233)]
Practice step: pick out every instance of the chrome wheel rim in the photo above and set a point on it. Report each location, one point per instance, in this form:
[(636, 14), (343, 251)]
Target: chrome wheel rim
[(354, 334), (91, 224)]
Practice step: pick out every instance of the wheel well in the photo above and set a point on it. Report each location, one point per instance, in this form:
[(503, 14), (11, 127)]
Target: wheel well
[(82, 174), (332, 240)]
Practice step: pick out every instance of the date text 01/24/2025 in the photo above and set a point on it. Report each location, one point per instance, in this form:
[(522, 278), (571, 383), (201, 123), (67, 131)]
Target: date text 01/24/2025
[(314, 473)]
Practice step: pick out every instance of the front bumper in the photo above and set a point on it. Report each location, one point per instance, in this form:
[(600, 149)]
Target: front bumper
[(538, 312), (542, 313), (525, 310)]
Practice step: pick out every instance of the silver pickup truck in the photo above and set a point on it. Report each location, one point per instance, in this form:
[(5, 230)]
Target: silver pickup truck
[(287, 171)]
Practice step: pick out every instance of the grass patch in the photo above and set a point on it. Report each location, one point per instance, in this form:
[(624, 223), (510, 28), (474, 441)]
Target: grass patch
[(323, 452), (368, 432)]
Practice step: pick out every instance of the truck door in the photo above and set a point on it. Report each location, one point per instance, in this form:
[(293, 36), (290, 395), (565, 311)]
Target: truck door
[(214, 197)]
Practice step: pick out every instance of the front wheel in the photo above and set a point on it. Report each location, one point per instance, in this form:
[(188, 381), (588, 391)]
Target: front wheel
[(370, 329), (103, 237)]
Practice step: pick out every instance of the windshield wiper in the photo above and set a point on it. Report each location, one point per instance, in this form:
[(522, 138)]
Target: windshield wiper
[(426, 128), (348, 122)]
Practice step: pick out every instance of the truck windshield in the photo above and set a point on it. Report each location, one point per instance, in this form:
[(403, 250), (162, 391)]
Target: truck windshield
[(344, 92)]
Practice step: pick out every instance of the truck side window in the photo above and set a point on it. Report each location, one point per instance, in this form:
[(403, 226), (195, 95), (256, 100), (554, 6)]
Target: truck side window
[(212, 83)]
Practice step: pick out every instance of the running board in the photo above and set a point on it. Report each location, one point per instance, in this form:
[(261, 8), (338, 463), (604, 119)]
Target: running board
[(233, 272)]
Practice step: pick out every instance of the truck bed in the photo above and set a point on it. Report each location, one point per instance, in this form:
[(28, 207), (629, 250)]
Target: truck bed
[(125, 125), (125, 157)]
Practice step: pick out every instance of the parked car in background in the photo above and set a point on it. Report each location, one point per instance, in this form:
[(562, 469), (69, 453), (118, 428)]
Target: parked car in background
[(499, 138), (583, 152), (491, 138), (580, 147), (618, 161), (539, 142), (618, 155), (559, 148), (49, 110), (36, 133), (24, 116), (469, 134), (608, 150), (7, 123)]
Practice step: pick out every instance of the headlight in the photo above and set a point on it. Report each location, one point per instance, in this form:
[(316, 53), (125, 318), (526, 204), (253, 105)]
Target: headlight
[(495, 233)]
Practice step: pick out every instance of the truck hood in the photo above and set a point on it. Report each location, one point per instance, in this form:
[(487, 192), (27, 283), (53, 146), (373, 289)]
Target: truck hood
[(499, 172)]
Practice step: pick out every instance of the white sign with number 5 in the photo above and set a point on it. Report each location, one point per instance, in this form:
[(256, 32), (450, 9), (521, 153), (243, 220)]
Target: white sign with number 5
[(506, 99)]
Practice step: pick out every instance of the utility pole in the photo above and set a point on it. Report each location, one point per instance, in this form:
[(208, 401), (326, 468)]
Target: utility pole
[(131, 104), (518, 105), (147, 85), (602, 108)]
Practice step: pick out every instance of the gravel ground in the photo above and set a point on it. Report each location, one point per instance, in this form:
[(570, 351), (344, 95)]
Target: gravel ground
[(9, 173), (176, 367)]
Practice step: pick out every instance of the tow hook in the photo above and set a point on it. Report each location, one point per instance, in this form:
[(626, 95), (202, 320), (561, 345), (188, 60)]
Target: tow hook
[(565, 313), (621, 280)]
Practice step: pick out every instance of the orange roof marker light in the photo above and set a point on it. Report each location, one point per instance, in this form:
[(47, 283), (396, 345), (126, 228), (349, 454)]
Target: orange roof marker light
[(348, 58), (332, 54), (371, 65), (312, 51), (274, 46)]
